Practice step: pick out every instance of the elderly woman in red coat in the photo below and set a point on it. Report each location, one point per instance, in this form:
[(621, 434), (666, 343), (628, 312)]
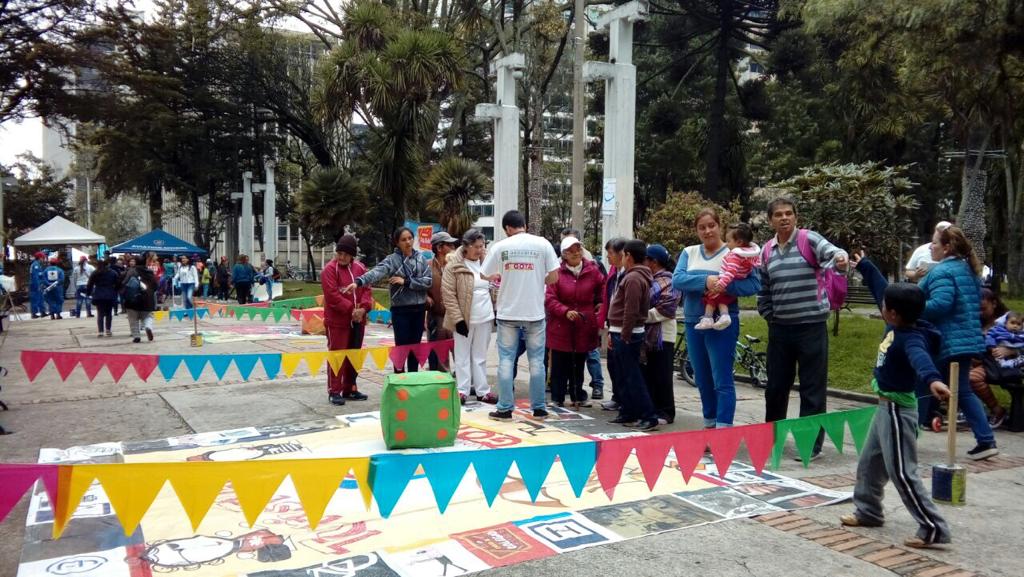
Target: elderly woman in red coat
[(573, 330), (345, 316)]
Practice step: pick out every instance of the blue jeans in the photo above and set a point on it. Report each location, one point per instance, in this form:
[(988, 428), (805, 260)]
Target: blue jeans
[(81, 297), (206, 290), (634, 399), (187, 290), (36, 301), (594, 368), (508, 345), (969, 403), (712, 356)]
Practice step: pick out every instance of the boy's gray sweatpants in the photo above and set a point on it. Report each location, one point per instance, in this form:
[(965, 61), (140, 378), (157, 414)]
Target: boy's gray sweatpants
[(890, 453)]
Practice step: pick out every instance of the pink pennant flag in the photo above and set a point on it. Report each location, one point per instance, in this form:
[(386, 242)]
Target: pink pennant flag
[(33, 362), (296, 314), (759, 439), (443, 349), (422, 352), (724, 443), (651, 452), (611, 457), (16, 479), (399, 354), (145, 365), (92, 364), (65, 363), (117, 365), (689, 447)]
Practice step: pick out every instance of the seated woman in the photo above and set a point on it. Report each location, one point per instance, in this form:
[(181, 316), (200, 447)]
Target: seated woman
[(993, 313)]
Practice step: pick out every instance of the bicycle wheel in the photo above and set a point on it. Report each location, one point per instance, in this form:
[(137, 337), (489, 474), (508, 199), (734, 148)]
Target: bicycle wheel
[(684, 368), (757, 369)]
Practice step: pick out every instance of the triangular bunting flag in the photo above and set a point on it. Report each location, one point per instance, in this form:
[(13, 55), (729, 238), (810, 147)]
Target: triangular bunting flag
[(33, 362), (245, 363), (445, 471), (131, 488), (16, 479), (296, 314), (117, 365), (176, 315), (159, 315), (361, 473), (860, 423), (724, 443), (264, 314), (144, 365), (196, 364), (491, 469), (651, 453), (689, 448), (534, 464), (220, 364), (835, 426), (759, 440), (356, 358), (169, 364), (316, 481), (422, 352), (65, 363), (271, 364), (399, 355), (290, 362), (202, 313), (443, 349), (92, 364), (314, 361), (379, 356), (389, 474), (335, 360), (611, 458), (578, 462), (197, 486), (255, 482), (279, 314), (72, 483)]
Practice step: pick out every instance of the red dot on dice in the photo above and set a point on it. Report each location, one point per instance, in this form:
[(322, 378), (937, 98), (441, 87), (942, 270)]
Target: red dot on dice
[(400, 435), (403, 395), (401, 414), (443, 394), (443, 414), (442, 434)]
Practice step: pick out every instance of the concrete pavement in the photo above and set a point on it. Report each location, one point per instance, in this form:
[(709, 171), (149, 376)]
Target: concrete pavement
[(51, 413)]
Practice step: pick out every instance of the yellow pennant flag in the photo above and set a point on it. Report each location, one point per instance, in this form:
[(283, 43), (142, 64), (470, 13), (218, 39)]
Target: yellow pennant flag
[(290, 362), (197, 486), (335, 359), (131, 488), (159, 315), (314, 361), (357, 357), (379, 356), (316, 481), (65, 505), (361, 471), (255, 482)]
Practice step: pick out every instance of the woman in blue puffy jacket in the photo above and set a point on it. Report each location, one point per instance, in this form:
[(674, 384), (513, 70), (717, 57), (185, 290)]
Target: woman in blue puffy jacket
[(953, 290)]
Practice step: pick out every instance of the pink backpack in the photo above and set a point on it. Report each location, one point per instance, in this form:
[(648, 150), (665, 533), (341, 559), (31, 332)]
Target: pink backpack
[(832, 282)]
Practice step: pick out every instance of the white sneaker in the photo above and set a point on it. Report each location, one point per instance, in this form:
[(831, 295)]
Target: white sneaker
[(722, 323), (706, 323)]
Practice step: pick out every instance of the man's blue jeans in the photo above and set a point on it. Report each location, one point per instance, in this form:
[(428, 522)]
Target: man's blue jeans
[(508, 344), (594, 368), (634, 399), (82, 298)]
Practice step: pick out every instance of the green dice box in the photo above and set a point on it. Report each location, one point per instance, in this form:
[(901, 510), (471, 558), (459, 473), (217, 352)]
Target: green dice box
[(420, 410)]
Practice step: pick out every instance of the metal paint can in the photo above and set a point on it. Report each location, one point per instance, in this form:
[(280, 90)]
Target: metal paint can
[(949, 484)]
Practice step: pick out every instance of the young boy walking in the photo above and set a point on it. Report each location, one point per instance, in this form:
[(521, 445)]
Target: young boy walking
[(890, 451)]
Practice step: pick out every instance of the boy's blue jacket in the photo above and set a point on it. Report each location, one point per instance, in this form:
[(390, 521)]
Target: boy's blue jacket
[(906, 353)]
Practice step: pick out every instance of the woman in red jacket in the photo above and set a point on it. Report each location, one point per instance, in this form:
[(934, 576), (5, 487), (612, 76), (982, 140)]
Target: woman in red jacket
[(572, 305), (344, 316)]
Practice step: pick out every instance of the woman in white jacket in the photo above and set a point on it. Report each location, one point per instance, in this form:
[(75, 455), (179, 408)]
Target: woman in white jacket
[(188, 278)]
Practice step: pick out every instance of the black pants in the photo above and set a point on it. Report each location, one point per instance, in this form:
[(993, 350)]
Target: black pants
[(437, 332), (792, 348), (407, 322), (567, 375), (242, 290), (104, 315), (223, 288), (658, 377)]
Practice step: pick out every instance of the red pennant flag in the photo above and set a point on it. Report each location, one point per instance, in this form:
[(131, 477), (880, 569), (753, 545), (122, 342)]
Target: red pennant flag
[(422, 352), (759, 439), (651, 452), (689, 447), (724, 443), (611, 457), (443, 349), (33, 362), (117, 365), (65, 363), (92, 364), (296, 314), (16, 479), (145, 365), (399, 354)]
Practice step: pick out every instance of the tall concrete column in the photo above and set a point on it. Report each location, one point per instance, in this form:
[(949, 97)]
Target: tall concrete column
[(246, 231), (505, 115), (270, 214), (619, 75)]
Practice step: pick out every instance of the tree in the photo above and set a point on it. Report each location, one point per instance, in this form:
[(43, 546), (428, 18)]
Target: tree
[(330, 201), (119, 220), (856, 206), (672, 224), (449, 188), (38, 195)]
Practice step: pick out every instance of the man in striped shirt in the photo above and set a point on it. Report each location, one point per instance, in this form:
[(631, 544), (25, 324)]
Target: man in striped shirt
[(796, 311)]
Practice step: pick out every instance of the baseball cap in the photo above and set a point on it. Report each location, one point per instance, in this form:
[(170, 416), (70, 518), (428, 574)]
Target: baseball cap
[(658, 253), (442, 237), (568, 242)]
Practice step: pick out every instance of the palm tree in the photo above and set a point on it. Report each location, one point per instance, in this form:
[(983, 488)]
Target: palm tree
[(452, 183), (331, 200)]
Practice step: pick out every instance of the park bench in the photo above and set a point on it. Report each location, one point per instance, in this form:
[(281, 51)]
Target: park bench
[(859, 295)]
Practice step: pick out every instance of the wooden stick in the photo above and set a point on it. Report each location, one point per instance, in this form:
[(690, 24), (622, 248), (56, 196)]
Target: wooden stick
[(951, 412)]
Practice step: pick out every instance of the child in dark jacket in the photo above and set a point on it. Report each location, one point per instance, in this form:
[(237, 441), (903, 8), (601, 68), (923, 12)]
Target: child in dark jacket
[(890, 451), (1011, 336)]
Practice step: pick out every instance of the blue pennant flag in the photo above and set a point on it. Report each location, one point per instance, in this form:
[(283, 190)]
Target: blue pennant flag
[(168, 364), (271, 364), (177, 315), (383, 317), (245, 364), (578, 461), (491, 468), (196, 364), (389, 474), (534, 464), (445, 471), (203, 312), (220, 364)]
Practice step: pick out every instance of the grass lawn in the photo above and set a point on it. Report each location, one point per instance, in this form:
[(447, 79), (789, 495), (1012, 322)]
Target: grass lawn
[(294, 289)]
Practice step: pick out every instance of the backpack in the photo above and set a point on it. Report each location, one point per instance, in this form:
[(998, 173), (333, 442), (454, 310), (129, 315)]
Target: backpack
[(830, 281), (276, 275), (132, 292)]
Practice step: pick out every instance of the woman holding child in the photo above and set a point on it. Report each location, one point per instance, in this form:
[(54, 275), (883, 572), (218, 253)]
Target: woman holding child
[(712, 352), (953, 292)]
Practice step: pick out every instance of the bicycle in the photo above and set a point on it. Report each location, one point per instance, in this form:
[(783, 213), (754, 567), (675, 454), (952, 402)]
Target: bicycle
[(295, 273), (753, 362)]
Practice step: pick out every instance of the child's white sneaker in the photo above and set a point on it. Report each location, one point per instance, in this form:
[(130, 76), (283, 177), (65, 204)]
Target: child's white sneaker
[(722, 323), (705, 324)]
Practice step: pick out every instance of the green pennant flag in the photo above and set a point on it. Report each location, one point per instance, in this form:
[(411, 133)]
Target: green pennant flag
[(835, 426), (278, 313), (264, 313), (805, 432), (860, 423)]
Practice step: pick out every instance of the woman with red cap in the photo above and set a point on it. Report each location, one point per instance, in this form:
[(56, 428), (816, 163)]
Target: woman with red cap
[(345, 314)]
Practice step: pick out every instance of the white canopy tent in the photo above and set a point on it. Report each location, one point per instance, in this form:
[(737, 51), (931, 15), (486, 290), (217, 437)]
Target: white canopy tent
[(59, 231)]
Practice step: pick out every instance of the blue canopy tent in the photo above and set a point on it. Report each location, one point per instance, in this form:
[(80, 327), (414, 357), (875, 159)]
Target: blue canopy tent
[(160, 242)]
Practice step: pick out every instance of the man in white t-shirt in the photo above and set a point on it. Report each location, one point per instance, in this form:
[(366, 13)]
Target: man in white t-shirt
[(525, 263), (921, 259)]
